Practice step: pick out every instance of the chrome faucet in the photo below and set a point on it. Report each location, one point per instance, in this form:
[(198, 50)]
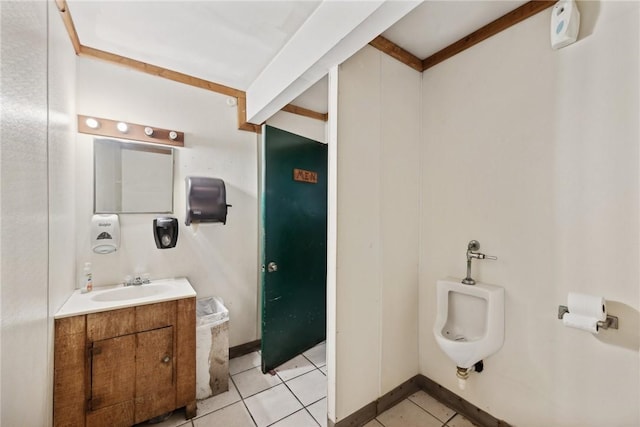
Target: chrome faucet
[(473, 246), (137, 280)]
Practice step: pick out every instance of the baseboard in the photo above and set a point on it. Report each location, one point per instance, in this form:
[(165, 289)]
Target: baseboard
[(406, 389), (358, 418), (458, 404), (397, 395), (384, 402), (242, 349)]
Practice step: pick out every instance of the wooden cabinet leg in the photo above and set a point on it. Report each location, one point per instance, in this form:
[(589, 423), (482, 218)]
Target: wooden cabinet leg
[(190, 410)]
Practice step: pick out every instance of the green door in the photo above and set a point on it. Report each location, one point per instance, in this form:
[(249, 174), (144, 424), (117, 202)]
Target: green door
[(293, 245)]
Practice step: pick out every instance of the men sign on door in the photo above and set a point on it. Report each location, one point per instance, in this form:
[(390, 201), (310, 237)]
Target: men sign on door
[(305, 176)]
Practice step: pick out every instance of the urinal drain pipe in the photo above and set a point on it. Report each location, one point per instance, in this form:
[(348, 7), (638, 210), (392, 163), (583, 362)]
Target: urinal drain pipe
[(463, 373)]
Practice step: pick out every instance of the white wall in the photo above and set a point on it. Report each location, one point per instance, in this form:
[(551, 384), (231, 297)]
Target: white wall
[(218, 259), (61, 175), (24, 213), (300, 125), (37, 116), (534, 153), (377, 220), (62, 148)]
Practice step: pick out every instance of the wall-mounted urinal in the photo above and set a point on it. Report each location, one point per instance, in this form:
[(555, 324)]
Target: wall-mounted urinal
[(469, 323)]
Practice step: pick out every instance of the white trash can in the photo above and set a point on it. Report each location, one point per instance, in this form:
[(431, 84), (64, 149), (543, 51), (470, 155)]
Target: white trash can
[(212, 347)]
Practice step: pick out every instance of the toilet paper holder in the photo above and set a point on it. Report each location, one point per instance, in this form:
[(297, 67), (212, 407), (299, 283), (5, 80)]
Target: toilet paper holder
[(610, 323)]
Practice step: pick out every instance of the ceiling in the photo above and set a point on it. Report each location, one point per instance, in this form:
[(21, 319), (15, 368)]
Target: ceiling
[(435, 25), (232, 42)]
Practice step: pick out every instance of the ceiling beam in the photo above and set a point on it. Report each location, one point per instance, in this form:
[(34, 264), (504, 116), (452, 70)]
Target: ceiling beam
[(90, 52), (375, 14), (395, 51), (68, 23), (242, 117), (294, 109), (515, 16), (159, 71), (334, 32)]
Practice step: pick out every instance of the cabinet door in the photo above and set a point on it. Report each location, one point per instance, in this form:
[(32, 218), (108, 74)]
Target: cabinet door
[(155, 373), (113, 364)]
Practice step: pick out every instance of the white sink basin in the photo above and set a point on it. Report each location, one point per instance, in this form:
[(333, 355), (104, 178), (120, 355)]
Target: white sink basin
[(105, 298), (132, 292)]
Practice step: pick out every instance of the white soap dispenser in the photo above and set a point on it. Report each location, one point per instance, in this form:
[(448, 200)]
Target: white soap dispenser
[(105, 233), (86, 284)]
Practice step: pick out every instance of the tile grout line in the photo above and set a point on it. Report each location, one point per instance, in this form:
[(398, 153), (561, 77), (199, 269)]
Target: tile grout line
[(439, 420), (380, 422), (287, 416), (313, 363), (245, 370), (244, 403), (282, 381), (269, 388), (299, 401), (306, 408), (258, 392), (452, 417), (291, 415), (220, 408), (313, 403), (257, 366)]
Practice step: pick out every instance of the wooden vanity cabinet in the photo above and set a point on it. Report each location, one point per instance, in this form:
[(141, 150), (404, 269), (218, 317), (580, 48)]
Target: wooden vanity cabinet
[(125, 366)]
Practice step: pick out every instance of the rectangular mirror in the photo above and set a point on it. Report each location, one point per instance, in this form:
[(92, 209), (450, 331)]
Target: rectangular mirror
[(131, 177)]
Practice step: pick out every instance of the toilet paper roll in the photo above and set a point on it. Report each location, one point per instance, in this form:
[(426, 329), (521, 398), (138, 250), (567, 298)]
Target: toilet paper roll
[(587, 305), (578, 321)]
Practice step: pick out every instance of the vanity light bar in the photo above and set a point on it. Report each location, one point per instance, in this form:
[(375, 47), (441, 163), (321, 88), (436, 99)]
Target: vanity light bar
[(119, 129)]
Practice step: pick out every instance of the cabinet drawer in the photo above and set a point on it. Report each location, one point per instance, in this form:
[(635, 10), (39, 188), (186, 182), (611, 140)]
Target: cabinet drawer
[(109, 324), (154, 316)]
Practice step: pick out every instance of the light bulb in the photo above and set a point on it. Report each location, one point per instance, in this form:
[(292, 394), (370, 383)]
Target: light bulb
[(173, 135), (148, 131), (92, 123), (122, 127)]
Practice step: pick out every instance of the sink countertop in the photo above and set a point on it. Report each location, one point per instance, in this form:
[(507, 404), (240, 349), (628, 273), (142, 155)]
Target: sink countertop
[(94, 301)]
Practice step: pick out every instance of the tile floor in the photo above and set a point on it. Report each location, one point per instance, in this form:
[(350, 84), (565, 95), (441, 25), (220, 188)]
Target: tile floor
[(297, 397), (419, 410)]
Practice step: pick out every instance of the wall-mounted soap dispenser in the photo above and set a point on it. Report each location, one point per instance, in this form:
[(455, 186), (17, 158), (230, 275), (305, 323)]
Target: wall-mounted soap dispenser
[(206, 200), (165, 232), (105, 233)]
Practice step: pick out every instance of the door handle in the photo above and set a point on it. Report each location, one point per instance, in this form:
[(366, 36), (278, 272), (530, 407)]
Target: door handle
[(272, 266)]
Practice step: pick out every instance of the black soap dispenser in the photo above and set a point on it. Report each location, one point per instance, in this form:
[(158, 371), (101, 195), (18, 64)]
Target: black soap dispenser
[(165, 232)]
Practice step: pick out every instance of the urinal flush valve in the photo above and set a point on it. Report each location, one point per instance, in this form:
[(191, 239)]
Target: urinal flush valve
[(472, 253)]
